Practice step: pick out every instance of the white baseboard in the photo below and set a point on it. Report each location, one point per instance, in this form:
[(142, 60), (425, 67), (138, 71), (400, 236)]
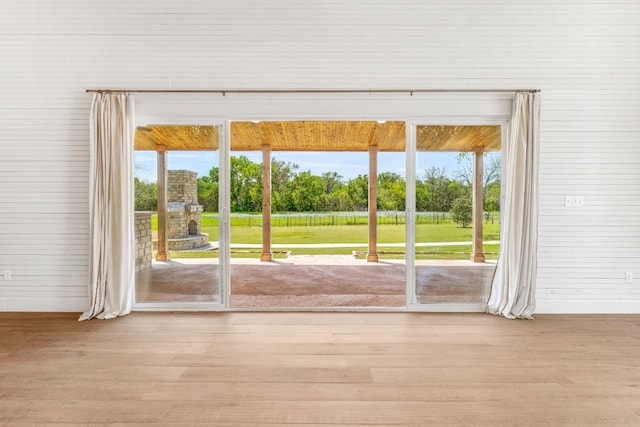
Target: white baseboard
[(81, 304), (587, 307), (48, 304)]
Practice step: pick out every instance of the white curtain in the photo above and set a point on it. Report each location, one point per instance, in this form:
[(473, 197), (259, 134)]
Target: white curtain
[(111, 249), (514, 283)]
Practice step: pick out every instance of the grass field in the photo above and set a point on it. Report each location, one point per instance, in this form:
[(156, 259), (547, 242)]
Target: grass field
[(436, 252), (246, 229)]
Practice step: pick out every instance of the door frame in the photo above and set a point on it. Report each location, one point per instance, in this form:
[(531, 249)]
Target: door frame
[(411, 155), (223, 245), (413, 108)]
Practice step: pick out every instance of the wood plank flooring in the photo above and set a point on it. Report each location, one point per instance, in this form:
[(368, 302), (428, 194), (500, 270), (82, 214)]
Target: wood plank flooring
[(319, 369)]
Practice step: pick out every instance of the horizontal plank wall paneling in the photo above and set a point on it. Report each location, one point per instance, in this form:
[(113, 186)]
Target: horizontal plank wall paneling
[(584, 55)]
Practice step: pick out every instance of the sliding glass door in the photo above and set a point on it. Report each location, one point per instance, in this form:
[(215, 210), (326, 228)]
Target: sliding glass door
[(455, 215), (317, 214), (177, 203)]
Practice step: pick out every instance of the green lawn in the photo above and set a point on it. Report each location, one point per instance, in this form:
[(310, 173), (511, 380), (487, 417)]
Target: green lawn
[(243, 230), (356, 233), (235, 253), (436, 252)]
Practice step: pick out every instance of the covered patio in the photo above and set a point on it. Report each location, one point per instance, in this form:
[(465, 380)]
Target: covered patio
[(317, 281)]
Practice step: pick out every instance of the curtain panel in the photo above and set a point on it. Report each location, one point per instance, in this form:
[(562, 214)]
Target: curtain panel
[(111, 216), (514, 284)]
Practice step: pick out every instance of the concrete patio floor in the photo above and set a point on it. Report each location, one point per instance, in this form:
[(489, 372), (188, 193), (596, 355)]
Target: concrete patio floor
[(315, 281)]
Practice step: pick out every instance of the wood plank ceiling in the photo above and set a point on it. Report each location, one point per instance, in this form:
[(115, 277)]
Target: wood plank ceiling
[(318, 136), (458, 138), (185, 138)]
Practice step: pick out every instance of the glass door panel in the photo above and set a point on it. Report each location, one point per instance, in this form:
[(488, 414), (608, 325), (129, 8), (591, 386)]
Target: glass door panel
[(177, 220), (300, 214), (457, 211)]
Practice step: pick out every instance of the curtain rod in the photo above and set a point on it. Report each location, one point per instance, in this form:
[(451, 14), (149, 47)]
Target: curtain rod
[(223, 92)]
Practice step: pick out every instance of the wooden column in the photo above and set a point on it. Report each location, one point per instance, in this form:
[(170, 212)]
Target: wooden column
[(372, 254), (267, 255), (477, 250), (163, 253)]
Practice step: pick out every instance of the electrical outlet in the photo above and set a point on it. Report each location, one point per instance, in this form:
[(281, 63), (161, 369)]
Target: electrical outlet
[(573, 201), (7, 275), (628, 277)]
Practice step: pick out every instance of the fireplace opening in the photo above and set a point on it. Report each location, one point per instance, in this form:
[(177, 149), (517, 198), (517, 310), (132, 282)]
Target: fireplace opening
[(193, 228)]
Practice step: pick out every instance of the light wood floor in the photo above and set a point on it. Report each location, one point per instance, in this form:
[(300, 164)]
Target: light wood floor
[(329, 369)]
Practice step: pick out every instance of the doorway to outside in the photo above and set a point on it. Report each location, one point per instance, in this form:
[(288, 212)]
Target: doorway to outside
[(177, 228), (313, 204), (304, 232), (457, 220)]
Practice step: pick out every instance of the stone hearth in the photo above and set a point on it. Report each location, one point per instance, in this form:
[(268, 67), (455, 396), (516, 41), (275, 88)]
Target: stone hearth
[(184, 214)]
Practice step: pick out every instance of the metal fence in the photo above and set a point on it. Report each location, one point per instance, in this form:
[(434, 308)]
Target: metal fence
[(312, 219)]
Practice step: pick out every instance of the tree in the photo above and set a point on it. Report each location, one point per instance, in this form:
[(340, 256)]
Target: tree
[(422, 196), (281, 175), (492, 197), (246, 185), (391, 191), (461, 210), (145, 195), (208, 193), (337, 201), (358, 191), (490, 175), (439, 193), (306, 190), (464, 174), (331, 182)]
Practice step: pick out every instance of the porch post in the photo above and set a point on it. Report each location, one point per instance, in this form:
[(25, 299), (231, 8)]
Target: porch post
[(477, 251), (267, 255), (372, 254), (163, 253)]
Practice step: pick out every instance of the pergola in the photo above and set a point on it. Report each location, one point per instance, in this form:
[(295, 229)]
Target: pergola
[(348, 136)]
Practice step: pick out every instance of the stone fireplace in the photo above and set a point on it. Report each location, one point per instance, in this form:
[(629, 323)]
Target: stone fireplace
[(184, 220)]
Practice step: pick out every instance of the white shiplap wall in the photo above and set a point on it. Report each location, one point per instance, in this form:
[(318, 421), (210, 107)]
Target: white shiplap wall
[(585, 55)]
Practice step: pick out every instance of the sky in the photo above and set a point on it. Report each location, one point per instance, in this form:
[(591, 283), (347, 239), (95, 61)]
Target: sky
[(347, 164)]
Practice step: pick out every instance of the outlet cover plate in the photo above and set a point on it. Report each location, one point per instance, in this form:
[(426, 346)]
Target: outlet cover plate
[(573, 201)]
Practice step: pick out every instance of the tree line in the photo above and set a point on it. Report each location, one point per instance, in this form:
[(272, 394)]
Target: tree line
[(293, 190)]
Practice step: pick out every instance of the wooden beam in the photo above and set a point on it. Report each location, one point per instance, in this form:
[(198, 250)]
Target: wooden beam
[(477, 250), (163, 253), (372, 254), (267, 255)]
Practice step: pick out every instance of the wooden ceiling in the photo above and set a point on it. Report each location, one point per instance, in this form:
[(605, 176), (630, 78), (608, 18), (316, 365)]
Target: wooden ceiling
[(318, 136), (189, 138), (458, 138)]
